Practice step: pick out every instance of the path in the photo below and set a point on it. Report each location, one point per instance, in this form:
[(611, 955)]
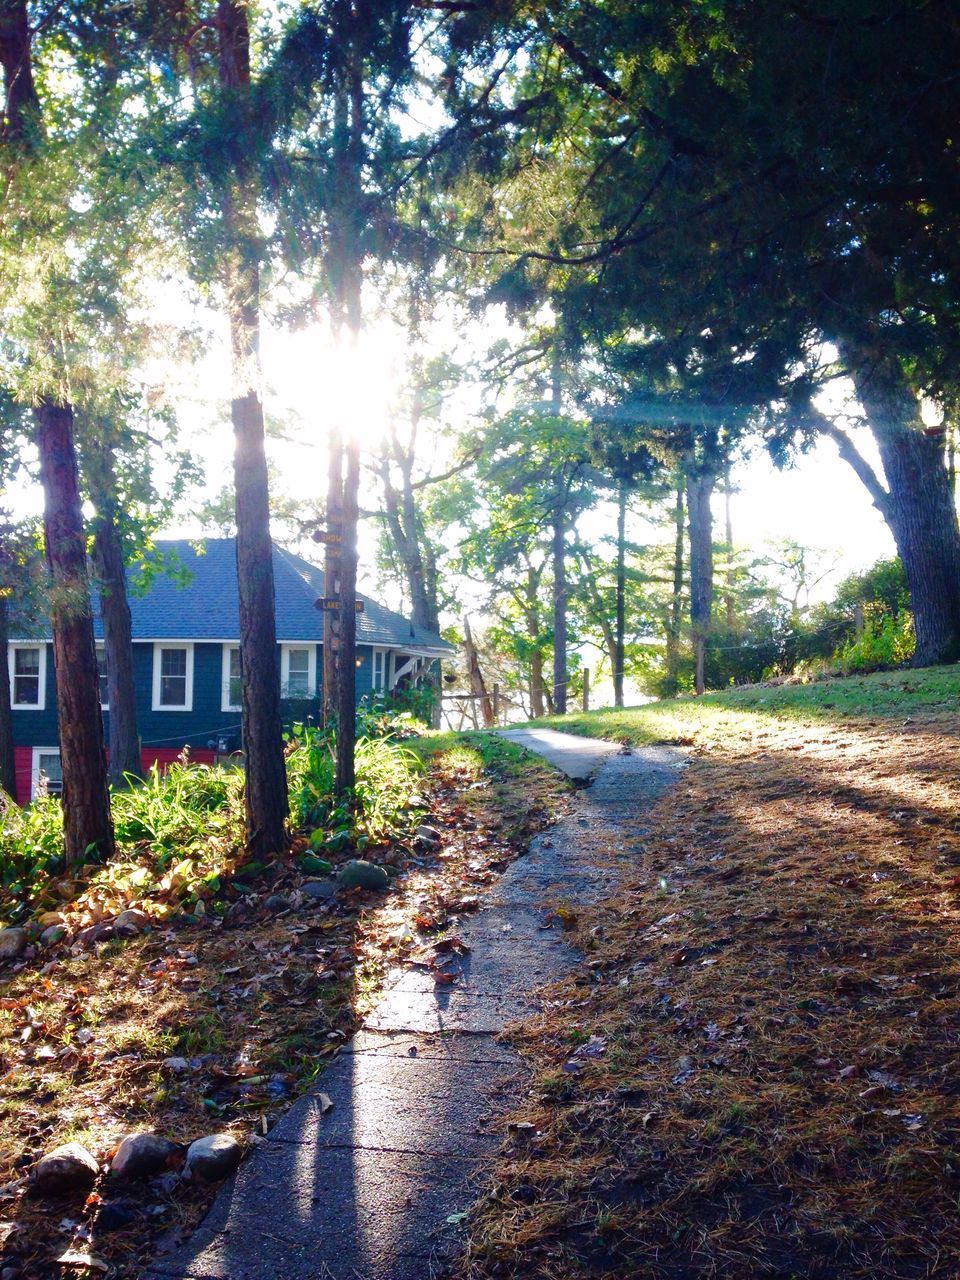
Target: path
[(370, 1189)]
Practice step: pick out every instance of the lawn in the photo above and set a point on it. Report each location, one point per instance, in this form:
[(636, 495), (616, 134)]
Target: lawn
[(774, 1001)]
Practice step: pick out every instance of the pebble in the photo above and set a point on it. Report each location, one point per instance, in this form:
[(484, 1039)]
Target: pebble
[(12, 943), (115, 1215), (65, 1169), (140, 1155), (176, 1065), (360, 874), (52, 935), (212, 1158), (277, 902)]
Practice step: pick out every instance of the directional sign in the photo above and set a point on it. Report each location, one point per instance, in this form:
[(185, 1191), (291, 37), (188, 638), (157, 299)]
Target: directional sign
[(330, 604), (329, 539)]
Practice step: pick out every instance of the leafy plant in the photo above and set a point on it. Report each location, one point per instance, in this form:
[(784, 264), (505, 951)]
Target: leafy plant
[(883, 642)]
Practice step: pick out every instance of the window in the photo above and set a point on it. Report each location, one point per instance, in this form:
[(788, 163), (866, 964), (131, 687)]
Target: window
[(46, 765), (172, 677), (28, 676), (298, 671), (379, 670), (230, 699), (102, 676)]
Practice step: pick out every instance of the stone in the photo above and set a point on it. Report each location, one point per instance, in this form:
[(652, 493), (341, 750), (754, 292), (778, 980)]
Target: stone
[(49, 918), (176, 1065), (426, 832), (12, 943), (277, 902), (54, 934), (360, 874), (131, 922), (212, 1158), (94, 933), (141, 1155), (318, 890), (69, 1169)]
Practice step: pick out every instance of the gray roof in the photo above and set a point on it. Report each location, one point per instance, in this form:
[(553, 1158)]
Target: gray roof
[(204, 605)]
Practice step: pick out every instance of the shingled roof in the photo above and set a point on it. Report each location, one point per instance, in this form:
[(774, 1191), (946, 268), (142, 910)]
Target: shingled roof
[(204, 606)]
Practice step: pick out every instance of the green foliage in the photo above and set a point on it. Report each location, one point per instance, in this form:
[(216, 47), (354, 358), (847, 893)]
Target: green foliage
[(31, 847), (386, 792), (178, 808), (404, 716), (884, 642)]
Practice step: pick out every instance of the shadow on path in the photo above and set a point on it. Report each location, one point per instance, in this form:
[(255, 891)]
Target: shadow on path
[(371, 1188)]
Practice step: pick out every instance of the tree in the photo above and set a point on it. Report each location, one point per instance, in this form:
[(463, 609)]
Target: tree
[(86, 806)]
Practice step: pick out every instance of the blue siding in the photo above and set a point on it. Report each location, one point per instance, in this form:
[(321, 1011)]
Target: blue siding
[(168, 729)]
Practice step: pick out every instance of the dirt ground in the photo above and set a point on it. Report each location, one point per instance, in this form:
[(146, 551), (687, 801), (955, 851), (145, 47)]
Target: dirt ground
[(757, 1070)]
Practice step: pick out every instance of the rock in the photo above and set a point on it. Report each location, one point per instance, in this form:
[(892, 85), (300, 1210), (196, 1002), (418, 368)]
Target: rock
[(277, 902), (238, 913), (140, 1155), (176, 1065), (49, 918), (318, 890), (12, 943), (426, 832), (360, 874), (131, 922), (94, 933), (54, 934), (212, 1158), (66, 1170)]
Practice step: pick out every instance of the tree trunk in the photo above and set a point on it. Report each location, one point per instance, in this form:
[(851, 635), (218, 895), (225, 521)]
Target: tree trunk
[(477, 686), (619, 654), (700, 482), (86, 802), (331, 575), (8, 772), (676, 600), (559, 608), (918, 506), (729, 601), (347, 654), (531, 615), (265, 791), (108, 567), (404, 524)]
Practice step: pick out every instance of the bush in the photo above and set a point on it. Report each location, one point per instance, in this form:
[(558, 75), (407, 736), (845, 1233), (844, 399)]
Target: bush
[(883, 642)]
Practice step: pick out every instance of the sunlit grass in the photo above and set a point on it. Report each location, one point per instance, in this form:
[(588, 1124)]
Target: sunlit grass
[(884, 695)]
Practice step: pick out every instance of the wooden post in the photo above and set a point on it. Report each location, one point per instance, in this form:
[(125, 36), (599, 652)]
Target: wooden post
[(496, 704), (586, 688), (858, 622)]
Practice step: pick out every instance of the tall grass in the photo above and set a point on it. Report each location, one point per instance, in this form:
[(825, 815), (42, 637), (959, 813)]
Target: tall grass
[(184, 827)]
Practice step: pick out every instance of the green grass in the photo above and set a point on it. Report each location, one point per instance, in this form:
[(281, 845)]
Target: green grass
[(884, 695), (474, 752)]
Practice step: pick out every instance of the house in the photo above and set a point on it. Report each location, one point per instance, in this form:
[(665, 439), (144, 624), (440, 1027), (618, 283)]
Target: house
[(186, 656)]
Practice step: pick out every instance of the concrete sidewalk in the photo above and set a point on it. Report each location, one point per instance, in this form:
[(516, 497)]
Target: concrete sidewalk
[(579, 758), (371, 1188)]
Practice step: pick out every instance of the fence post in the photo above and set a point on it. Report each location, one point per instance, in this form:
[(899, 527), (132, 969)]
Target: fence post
[(496, 704), (586, 688)]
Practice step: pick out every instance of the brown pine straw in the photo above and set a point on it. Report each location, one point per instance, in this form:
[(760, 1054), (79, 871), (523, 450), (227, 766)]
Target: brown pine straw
[(776, 989)]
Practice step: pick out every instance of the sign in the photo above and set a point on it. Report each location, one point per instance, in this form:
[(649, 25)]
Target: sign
[(330, 604), (329, 539)]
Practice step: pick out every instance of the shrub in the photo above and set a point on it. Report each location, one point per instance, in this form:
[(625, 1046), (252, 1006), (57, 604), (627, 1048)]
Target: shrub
[(883, 642)]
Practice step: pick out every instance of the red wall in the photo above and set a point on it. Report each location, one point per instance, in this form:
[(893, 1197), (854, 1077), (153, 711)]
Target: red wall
[(23, 763)]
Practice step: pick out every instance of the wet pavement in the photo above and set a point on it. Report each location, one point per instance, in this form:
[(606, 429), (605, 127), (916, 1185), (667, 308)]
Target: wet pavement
[(372, 1187)]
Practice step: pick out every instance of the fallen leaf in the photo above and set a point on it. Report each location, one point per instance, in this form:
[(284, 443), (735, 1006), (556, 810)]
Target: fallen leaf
[(76, 1258)]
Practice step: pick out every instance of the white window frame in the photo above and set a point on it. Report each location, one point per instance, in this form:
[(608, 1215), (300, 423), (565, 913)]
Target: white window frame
[(378, 679), (225, 703), (158, 647), (102, 648), (35, 766), (311, 668), (40, 704)]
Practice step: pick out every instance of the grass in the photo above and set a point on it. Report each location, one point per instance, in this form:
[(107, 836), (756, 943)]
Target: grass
[(775, 987), (256, 1003)]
